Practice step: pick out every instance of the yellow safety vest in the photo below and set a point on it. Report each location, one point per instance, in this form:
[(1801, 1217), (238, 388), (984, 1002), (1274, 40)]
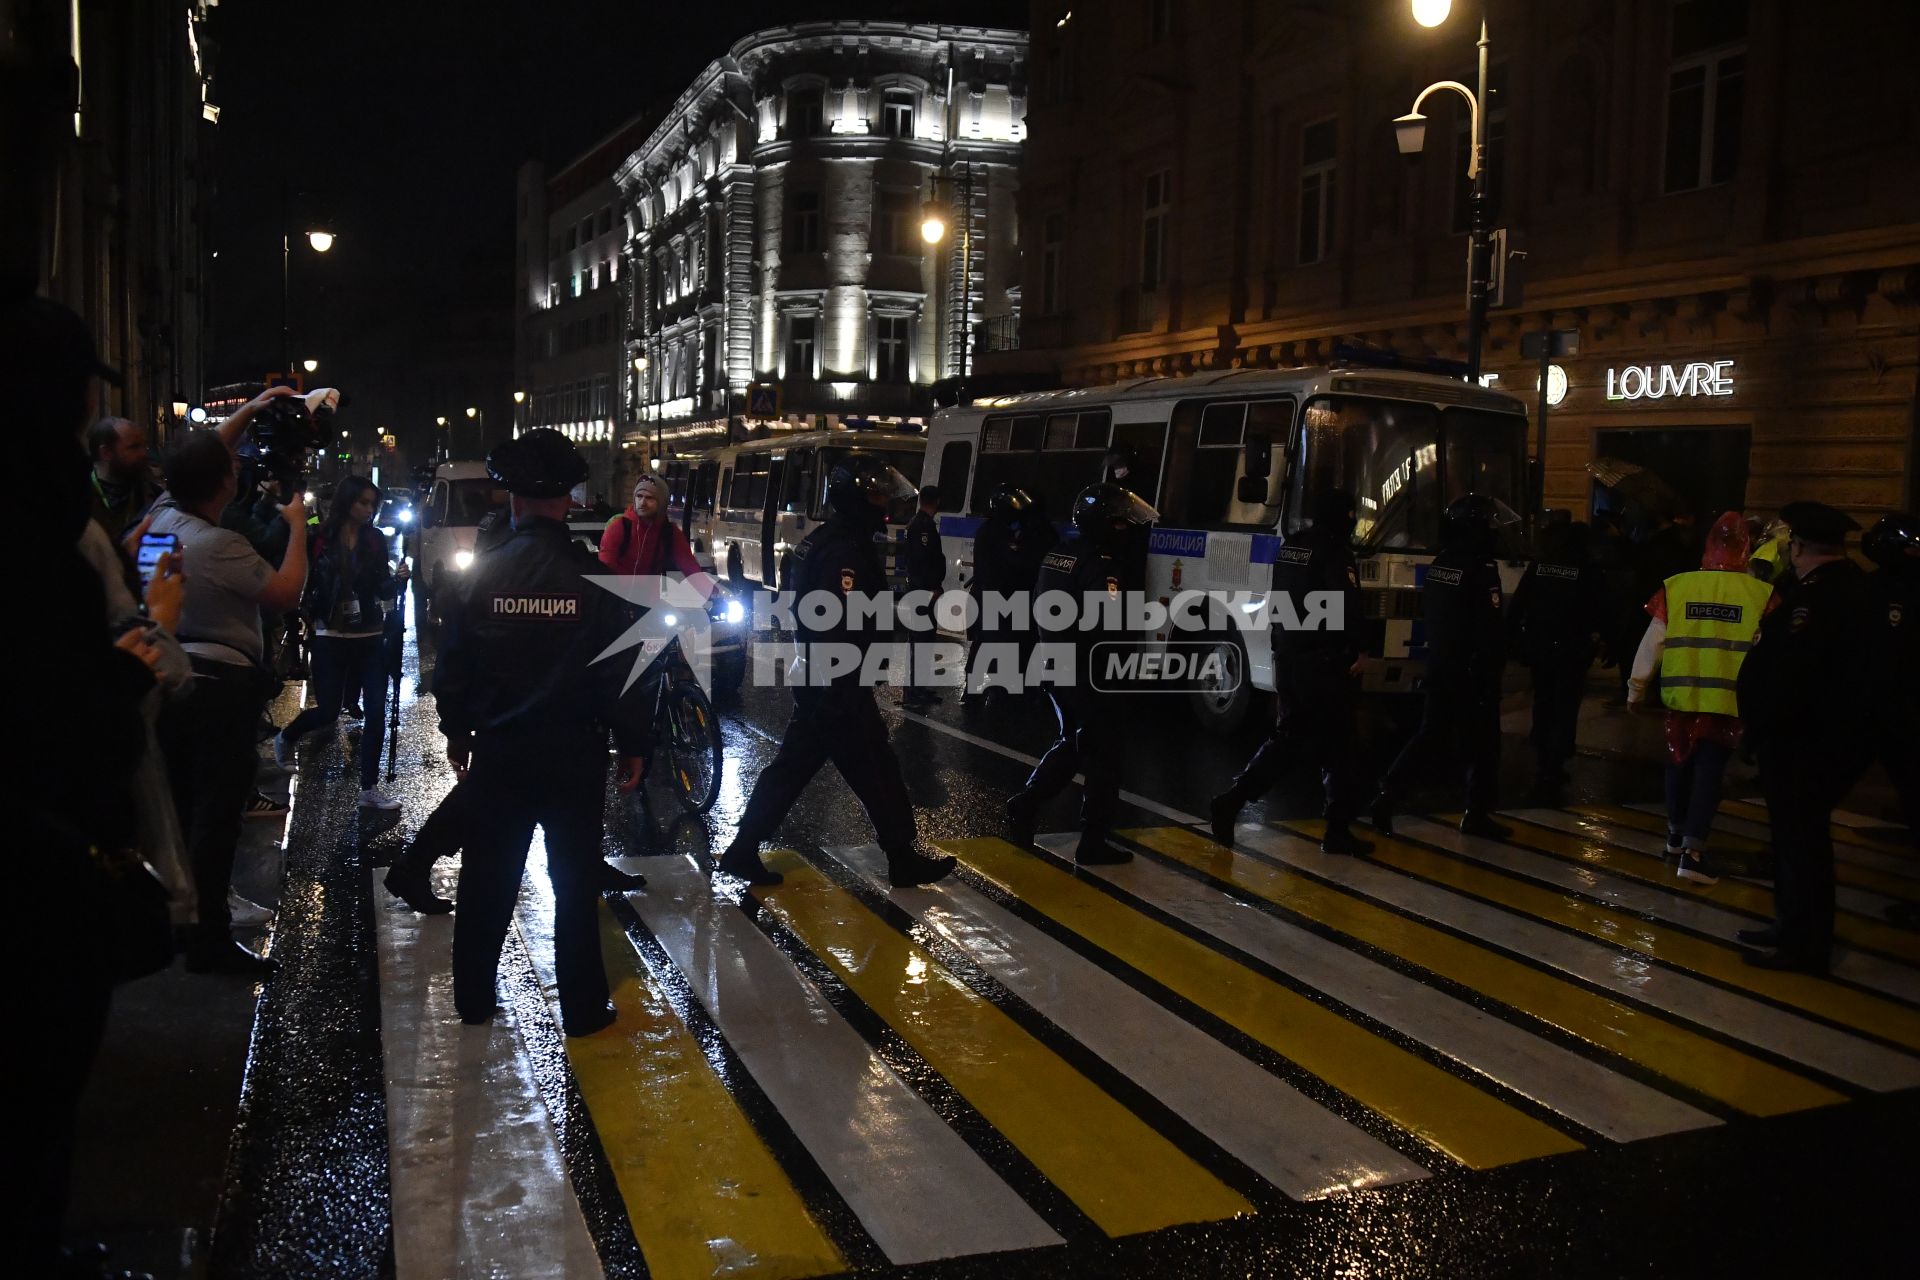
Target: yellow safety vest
[(1713, 616), (1769, 562)]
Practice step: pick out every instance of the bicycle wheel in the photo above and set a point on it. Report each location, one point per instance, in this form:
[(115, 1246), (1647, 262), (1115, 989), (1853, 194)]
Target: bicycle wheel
[(693, 747)]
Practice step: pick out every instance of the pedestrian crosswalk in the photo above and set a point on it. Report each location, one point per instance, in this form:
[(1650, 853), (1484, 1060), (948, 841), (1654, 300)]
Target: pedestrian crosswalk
[(1030, 1057)]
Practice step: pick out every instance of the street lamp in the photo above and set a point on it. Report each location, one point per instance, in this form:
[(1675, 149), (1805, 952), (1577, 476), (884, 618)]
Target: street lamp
[(310, 365), (933, 222), (934, 216), (1410, 132), (319, 242)]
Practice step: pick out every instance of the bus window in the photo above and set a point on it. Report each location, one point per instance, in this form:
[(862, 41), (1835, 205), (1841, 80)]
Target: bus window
[(1208, 460), (723, 492), (750, 483), (1066, 466), (796, 483), (1483, 455), (956, 462), (1026, 434), (1144, 445), (1386, 453)]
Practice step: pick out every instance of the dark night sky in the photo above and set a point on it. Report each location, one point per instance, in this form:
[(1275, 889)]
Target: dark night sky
[(400, 127)]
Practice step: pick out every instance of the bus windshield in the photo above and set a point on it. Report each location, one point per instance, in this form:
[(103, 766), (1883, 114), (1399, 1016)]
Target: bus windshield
[(1403, 462)]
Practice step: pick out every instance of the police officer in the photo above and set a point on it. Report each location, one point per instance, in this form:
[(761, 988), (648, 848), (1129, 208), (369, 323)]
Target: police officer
[(996, 572), (1804, 692), (1315, 673), (926, 569), (1466, 651), (839, 721), (1092, 565), (1558, 608), (1893, 544), (525, 708)]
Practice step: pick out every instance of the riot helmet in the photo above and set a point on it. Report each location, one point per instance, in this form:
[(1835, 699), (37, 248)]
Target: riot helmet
[(867, 490), (1477, 520), (541, 463), (1106, 511), (1008, 502), (1894, 542)]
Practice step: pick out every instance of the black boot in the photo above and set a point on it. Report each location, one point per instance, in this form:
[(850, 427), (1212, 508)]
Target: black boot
[(613, 880), (743, 861), (223, 955), (908, 868), (1764, 936), (1340, 839), (1094, 851), (1222, 811), (1022, 817), (407, 880), (597, 1020), (1475, 822), (1381, 813)]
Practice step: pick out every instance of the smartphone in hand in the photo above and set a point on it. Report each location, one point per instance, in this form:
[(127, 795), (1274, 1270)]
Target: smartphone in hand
[(152, 547)]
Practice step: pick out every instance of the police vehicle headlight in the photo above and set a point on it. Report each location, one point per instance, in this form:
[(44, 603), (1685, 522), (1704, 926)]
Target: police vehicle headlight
[(735, 613), (389, 531), (404, 517), (463, 559)]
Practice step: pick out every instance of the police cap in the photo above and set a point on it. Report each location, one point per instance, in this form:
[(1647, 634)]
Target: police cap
[(541, 463), (1818, 523), (1894, 541)]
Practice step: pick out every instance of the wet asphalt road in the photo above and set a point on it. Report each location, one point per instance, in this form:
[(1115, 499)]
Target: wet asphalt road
[(1827, 1190)]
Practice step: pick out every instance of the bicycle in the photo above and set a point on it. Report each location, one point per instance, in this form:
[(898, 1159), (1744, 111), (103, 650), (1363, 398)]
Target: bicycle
[(687, 728)]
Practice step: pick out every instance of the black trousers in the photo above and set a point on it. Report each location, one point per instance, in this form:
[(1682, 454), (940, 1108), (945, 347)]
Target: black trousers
[(519, 781), (1559, 682), (841, 725), (1801, 795), (207, 738), (1089, 743), (1315, 725), (1459, 728)]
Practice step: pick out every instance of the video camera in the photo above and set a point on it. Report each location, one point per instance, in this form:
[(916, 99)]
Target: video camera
[(281, 438)]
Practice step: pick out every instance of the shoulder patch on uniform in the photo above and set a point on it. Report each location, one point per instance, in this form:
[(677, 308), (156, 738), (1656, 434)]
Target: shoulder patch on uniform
[(1894, 614), (1059, 561), (1294, 555), (538, 606), (1446, 577), (1567, 571), (1113, 588), (846, 579)]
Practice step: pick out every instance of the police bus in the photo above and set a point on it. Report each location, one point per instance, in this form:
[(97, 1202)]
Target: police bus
[(1232, 461), (745, 506)]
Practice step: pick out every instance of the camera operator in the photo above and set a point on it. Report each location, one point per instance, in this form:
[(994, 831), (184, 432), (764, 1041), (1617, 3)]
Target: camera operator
[(208, 735)]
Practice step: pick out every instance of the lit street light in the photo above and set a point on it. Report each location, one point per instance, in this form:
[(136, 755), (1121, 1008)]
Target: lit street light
[(310, 365), (320, 242), (933, 223), (1410, 133)]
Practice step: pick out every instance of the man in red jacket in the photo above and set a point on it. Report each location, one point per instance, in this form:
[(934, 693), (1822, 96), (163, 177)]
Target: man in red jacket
[(642, 540)]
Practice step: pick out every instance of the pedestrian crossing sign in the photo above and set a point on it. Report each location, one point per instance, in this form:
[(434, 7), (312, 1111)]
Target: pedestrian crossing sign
[(763, 400)]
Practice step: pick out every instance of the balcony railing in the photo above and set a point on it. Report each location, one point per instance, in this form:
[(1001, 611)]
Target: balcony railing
[(1000, 333)]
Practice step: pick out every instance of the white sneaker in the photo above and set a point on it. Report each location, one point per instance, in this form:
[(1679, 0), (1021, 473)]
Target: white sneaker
[(246, 912), (375, 798)]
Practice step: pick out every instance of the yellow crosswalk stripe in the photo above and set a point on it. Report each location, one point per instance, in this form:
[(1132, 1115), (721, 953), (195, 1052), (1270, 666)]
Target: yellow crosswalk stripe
[(1706, 1066), (1122, 1173), (1844, 834), (1596, 852), (1473, 1127), (704, 1195), (1849, 1007), (1845, 872)]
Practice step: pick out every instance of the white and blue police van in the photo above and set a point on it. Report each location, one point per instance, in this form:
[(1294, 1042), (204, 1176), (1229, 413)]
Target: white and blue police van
[(1232, 461)]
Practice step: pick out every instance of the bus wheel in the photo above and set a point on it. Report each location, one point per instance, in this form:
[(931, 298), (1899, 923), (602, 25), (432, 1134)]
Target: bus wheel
[(1220, 704)]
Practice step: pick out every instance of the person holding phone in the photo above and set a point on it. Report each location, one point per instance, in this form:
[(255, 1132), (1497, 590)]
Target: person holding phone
[(349, 593)]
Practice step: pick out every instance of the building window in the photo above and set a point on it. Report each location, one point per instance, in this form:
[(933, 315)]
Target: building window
[(576, 284), (1319, 180), (803, 223), (1159, 21), (1706, 90), (1156, 209), (893, 219), (891, 345), (806, 114), (802, 345), (1053, 248), (1059, 71), (573, 237), (603, 327), (1495, 157), (897, 113)]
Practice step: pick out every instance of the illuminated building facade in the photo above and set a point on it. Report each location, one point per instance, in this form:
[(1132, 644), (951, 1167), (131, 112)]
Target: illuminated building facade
[(775, 272), (1216, 184)]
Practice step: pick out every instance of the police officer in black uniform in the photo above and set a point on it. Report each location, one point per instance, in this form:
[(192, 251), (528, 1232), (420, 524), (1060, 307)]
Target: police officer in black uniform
[(996, 571), (1093, 565), (1559, 607), (839, 721), (926, 569), (525, 709), (1316, 673), (1466, 652), (1805, 693), (1893, 544)]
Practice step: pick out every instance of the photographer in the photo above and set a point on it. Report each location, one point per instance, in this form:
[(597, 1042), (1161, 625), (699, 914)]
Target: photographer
[(207, 735), (350, 592)]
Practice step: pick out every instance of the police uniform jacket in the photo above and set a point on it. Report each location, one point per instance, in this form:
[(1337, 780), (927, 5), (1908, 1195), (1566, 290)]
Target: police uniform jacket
[(1466, 638), (996, 555), (494, 528), (1318, 560), (1082, 570), (1557, 608), (1803, 689), (926, 559), (840, 557), (519, 649)]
